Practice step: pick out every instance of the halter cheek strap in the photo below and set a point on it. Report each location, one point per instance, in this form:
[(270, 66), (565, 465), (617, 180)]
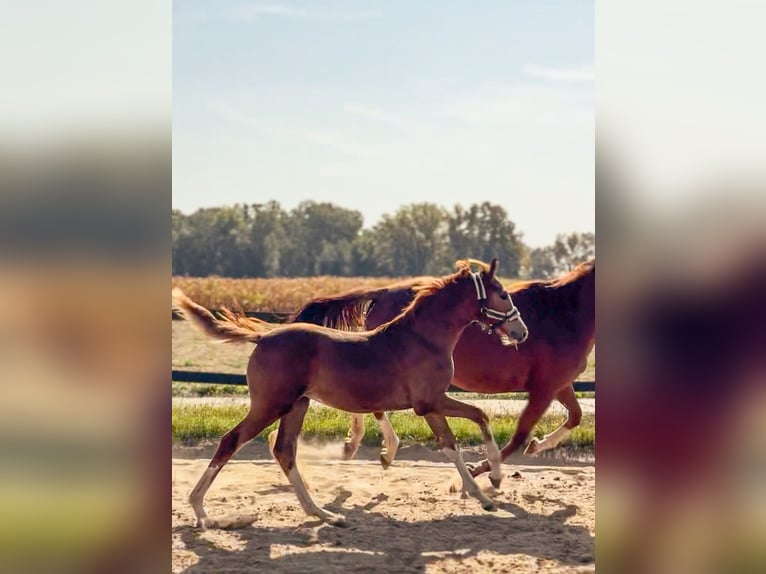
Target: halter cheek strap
[(481, 296), (481, 293)]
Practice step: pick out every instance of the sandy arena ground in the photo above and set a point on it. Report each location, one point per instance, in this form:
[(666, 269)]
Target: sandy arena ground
[(404, 519)]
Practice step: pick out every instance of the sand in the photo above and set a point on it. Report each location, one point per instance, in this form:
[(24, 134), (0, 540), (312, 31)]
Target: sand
[(404, 519)]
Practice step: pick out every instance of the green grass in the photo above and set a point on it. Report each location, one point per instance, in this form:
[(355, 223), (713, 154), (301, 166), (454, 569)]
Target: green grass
[(195, 423), (205, 390)]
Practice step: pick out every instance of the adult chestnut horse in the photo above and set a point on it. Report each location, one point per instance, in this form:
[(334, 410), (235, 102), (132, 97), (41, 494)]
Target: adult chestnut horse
[(403, 363), (560, 314)]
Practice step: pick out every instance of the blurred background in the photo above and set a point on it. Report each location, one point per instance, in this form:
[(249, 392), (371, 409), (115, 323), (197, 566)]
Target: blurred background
[(680, 208), (85, 191)]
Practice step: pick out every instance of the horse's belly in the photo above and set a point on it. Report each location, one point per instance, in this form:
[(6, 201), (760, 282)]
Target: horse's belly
[(357, 397), (358, 389)]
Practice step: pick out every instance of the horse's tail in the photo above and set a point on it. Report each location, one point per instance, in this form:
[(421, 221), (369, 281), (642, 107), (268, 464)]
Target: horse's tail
[(345, 311), (230, 328)]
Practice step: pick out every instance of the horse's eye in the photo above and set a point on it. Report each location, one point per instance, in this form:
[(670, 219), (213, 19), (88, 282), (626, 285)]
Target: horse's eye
[(504, 295)]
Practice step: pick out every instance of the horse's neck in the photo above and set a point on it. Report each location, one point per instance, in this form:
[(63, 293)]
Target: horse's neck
[(442, 318), (576, 299)]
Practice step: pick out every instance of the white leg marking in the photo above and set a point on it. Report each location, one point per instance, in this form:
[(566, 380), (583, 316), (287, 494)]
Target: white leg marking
[(494, 459), (469, 484), (390, 440), (354, 437), (197, 496), (549, 441), (309, 506)]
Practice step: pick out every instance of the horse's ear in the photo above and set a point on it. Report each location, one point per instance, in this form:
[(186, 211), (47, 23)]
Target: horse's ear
[(492, 268)]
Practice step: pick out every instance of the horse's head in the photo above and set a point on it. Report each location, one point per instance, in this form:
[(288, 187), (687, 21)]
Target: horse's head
[(496, 308)]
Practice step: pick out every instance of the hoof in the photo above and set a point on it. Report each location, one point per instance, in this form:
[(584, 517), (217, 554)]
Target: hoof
[(489, 506), (348, 451), (206, 523), (533, 446), (336, 520), (384, 461), (496, 481)]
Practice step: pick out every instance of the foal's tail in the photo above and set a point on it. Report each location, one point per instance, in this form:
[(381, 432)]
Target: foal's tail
[(230, 328), (345, 311)]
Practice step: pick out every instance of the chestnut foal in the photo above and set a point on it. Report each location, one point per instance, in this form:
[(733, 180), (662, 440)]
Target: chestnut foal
[(404, 363)]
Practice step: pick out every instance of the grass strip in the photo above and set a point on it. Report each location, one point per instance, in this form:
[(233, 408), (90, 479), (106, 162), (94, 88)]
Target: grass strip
[(195, 423)]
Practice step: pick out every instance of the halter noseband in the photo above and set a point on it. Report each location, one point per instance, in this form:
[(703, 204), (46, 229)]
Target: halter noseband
[(488, 312)]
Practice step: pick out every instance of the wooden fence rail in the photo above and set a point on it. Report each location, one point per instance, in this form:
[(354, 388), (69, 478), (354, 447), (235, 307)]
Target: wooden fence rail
[(236, 379)]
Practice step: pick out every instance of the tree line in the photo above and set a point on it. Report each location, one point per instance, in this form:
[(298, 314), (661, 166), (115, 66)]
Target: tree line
[(318, 238)]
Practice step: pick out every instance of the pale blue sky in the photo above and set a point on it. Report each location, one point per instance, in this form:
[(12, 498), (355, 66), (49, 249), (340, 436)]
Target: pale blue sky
[(372, 105)]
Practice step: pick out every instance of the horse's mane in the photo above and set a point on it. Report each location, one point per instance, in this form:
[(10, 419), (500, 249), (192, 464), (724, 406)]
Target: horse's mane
[(559, 297), (571, 277), (428, 286), (346, 311)]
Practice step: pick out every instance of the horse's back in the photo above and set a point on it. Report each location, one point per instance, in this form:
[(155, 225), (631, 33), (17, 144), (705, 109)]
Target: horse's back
[(295, 346), (352, 371)]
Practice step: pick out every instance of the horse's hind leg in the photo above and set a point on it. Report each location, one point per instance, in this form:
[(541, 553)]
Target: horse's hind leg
[(284, 451), (354, 436), (231, 442), (531, 414), (566, 397), (390, 440), (446, 441)]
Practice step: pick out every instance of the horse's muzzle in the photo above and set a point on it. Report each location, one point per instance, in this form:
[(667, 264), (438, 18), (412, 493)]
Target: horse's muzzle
[(519, 336)]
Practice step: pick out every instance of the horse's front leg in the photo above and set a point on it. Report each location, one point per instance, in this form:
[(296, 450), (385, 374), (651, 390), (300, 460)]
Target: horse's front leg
[(446, 440), (453, 408)]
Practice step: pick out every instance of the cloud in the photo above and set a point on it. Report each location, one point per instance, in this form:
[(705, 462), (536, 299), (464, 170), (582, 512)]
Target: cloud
[(331, 140), (581, 74), (296, 13), (375, 114), (522, 106)]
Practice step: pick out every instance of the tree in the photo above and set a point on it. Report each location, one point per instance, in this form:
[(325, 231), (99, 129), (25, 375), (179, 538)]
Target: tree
[(267, 245), (320, 237), (210, 242), (413, 241), (566, 252), (364, 261), (572, 249), (483, 231), (264, 240), (541, 263), (179, 231)]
